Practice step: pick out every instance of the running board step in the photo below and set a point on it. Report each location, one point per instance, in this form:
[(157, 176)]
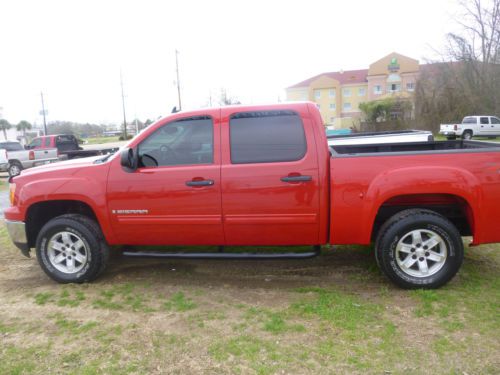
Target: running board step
[(144, 254)]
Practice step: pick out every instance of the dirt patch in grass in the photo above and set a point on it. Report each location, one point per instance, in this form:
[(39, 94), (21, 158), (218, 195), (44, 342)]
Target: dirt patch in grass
[(331, 314)]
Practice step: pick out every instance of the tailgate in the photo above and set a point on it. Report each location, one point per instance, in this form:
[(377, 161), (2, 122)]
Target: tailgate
[(48, 153), (447, 127)]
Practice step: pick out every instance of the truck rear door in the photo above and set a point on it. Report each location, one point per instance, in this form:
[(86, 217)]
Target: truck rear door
[(270, 177), (485, 127), (495, 125)]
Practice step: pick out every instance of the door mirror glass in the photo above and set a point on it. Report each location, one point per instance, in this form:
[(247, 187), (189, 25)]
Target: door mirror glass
[(128, 159)]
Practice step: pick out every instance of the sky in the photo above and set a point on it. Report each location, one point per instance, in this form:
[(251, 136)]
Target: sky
[(73, 51)]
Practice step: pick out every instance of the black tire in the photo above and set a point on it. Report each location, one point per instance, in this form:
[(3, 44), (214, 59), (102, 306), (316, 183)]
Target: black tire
[(15, 168), (467, 135), (396, 230), (79, 227)]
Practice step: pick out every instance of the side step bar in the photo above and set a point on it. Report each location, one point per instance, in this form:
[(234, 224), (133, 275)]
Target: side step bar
[(222, 255)]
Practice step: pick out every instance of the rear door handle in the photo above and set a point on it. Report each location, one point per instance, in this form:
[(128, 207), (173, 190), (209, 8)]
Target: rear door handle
[(296, 178), (200, 183)]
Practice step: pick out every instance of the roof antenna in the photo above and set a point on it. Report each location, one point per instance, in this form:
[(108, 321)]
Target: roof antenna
[(175, 110)]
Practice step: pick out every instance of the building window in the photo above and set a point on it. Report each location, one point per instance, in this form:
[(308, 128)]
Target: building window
[(347, 106), (332, 120), (346, 92), (377, 89), (332, 106), (317, 94), (394, 87), (304, 96), (410, 86), (331, 93), (362, 91)]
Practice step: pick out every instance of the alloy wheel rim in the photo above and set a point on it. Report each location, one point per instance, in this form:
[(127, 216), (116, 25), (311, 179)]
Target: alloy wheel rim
[(14, 170), (67, 252), (421, 253)]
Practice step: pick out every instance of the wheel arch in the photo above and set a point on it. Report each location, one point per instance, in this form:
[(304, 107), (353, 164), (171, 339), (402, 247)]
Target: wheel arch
[(439, 189), (39, 213)]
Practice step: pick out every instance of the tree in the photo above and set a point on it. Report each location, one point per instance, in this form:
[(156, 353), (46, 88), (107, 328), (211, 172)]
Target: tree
[(466, 81), (225, 99), (23, 126), (4, 126)]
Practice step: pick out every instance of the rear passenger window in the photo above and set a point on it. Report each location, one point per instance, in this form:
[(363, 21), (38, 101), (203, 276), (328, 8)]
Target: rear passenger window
[(266, 137), (47, 142), (484, 120)]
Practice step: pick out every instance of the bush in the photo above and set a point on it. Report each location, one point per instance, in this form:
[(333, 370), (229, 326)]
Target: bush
[(122, 138)]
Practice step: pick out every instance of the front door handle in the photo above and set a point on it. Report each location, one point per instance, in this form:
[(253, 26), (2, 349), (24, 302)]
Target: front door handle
[(196, 183), (296, 178)]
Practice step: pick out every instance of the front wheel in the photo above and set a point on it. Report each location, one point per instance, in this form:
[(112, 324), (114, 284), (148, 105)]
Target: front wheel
[(72, 249), (419, 248)]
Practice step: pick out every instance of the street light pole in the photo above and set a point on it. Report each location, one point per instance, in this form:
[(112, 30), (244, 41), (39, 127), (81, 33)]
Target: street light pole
[(43, 112), (123, 107), (178, 81)]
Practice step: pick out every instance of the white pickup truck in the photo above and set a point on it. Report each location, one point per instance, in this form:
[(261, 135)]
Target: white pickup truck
[(482, 126), (14, 158)]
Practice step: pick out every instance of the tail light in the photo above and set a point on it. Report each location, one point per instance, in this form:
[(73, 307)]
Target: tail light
[(455, 127), (32, 155)]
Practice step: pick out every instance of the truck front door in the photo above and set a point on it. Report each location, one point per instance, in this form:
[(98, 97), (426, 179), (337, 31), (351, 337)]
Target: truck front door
[(270, 178), (174, 197)]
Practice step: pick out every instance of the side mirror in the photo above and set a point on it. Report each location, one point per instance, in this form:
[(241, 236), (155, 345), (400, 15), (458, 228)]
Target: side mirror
[(129, 159)]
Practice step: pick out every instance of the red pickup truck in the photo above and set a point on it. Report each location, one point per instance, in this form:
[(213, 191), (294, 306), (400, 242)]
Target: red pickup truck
[(261, 175)]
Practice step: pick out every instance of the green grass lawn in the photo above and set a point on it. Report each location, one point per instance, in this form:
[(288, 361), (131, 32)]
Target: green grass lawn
[(332, 314), (439, 137), (99, 140)]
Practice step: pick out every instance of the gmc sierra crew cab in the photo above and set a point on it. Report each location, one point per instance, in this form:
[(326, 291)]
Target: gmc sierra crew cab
[(257, 176)]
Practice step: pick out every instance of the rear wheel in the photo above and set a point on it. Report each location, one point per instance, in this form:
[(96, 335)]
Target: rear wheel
[(72, 249), (15, 168), (419, 248), (467, 135)]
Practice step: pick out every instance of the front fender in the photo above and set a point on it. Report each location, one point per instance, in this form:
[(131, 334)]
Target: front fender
[(86, 189)]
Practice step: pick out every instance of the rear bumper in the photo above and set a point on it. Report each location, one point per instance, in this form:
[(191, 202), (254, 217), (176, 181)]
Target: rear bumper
[(17, 233)]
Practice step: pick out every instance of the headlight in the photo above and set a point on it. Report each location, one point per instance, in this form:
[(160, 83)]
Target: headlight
[(12, 194)]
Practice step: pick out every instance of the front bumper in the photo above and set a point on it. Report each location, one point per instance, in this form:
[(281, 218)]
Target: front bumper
[(17, 233)]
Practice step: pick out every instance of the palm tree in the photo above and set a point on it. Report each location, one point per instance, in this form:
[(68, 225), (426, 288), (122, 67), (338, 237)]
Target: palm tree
[(4, 126), (23, 126)]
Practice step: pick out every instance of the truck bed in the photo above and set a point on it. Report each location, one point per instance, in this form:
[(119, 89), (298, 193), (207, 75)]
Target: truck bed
[(413, 147)]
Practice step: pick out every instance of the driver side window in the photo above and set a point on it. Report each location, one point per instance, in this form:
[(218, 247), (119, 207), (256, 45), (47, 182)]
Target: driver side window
[(186, 141)]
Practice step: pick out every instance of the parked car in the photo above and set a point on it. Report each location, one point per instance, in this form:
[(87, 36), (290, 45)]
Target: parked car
[(18, 158), (68, 146), (257, 176), (483, 126), (400, 136)]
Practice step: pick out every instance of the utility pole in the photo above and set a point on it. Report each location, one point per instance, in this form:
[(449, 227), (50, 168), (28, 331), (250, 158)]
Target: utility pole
[(178, 81), (43, 112), (123, 107)]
